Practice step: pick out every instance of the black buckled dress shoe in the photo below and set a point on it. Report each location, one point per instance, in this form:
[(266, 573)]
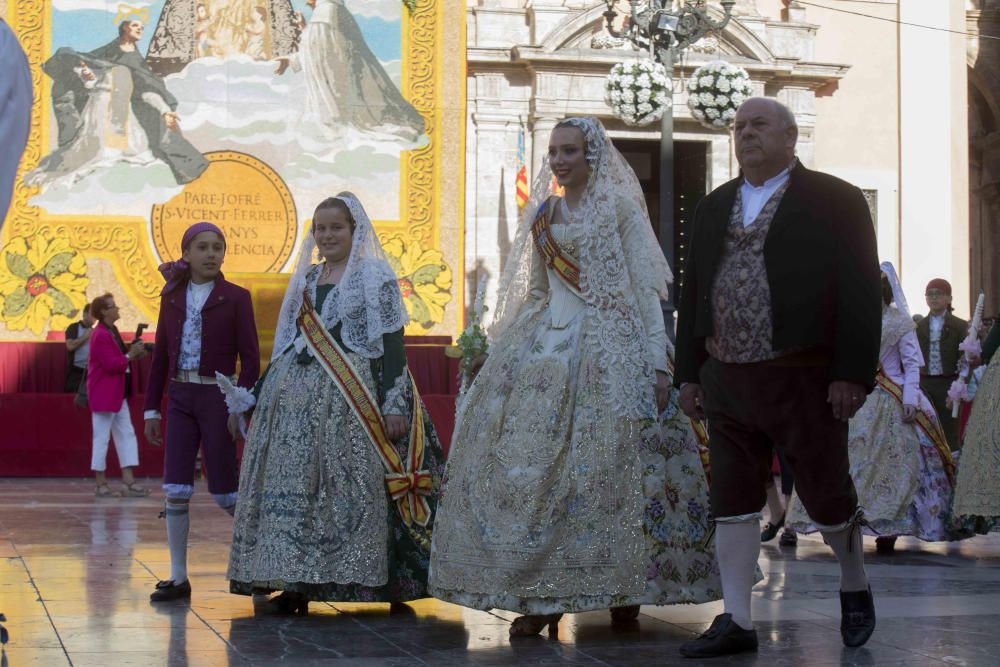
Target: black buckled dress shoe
[(857, 616), (168, 590), (885, 545), (771, 530), (789, 538), (723, 638)]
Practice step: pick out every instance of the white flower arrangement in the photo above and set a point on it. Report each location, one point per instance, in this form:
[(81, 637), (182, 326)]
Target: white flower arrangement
[(715, 91), (638, 91), (472, 342)]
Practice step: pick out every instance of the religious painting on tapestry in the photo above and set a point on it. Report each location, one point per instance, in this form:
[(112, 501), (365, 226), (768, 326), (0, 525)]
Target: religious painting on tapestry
[(155, 114)]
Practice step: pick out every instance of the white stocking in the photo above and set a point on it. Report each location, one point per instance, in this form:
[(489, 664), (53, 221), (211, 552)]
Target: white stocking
[(850, 552), (775, 509), (178, 523), (737, 546)]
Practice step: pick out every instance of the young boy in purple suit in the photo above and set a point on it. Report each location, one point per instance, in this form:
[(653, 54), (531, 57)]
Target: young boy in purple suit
[(204, 323)]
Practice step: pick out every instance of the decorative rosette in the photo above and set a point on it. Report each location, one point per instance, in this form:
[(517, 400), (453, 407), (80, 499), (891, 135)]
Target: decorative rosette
[(715, 92), (638, 91)]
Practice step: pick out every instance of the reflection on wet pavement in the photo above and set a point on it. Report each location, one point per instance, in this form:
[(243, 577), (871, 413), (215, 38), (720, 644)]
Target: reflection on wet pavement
[(76, 572)]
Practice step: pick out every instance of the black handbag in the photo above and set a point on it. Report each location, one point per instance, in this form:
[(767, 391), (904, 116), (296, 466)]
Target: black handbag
[(80, 398)]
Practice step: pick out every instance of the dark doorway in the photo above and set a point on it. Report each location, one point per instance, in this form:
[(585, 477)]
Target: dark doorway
[(690, 181)]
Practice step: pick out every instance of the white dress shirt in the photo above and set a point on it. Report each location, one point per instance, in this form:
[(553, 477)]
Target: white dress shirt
[(754, 197), (936, 326)]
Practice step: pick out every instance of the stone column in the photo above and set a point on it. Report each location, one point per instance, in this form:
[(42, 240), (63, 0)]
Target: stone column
[(934, 161), (541, 128), (491, 220)]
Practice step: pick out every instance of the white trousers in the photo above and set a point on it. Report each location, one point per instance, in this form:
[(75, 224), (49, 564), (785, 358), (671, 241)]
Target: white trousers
[(119, 425)]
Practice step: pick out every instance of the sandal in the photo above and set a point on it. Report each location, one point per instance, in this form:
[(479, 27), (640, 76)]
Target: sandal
[(132, 490), (104, 491)]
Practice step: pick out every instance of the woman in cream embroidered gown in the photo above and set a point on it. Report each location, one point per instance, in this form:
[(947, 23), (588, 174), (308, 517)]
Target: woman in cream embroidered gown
[(542, 508), (314, 518), (977, 493), (904, 482)]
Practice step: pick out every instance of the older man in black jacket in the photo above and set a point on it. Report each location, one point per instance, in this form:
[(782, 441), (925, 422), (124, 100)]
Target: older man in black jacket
[(778, 342)]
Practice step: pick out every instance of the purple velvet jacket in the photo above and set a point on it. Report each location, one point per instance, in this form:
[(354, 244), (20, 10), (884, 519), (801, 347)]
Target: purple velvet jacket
[(227, 330)]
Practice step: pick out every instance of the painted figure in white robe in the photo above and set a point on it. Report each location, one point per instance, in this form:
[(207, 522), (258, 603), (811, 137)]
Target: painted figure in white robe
[(346, 84)]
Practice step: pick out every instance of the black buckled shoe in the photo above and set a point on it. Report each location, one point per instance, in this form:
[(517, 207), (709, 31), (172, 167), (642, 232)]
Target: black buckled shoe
[(885, 545), (857, 616), (789, 538), (771, 530), (168, 590), (723, 638)]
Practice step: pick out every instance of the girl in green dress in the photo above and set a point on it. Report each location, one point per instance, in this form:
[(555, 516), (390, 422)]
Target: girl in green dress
[(315, 519)]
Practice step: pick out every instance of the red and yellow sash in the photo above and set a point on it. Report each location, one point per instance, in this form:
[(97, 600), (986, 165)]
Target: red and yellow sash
[(553, 255), (929, 426), (408, 485)]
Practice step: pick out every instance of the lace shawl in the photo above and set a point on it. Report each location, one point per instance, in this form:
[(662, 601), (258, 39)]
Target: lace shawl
[(367, 301), (613, 210)]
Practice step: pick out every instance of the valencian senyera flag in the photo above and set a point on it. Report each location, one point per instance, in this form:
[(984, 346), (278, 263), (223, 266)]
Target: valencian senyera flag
[(522, 172)]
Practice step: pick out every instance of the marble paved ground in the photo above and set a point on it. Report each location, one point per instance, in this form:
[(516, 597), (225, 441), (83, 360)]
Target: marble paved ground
[(75, 574)]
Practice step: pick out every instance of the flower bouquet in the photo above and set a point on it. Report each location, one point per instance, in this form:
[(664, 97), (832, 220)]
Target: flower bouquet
[(715, 92), (971, 349), (638, 91), (472, 341)]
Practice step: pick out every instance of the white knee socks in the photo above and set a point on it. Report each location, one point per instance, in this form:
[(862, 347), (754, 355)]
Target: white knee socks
[(775, 509), (178, 523), (737, 546), (850, 552)]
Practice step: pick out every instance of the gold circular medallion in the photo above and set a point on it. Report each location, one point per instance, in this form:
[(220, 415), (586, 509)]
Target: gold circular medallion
[(245, 198)]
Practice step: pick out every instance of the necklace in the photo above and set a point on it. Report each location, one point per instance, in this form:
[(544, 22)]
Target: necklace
[(567, 211)]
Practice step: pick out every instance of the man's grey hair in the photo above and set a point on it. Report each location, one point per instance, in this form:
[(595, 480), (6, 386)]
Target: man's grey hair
[(784, 114)]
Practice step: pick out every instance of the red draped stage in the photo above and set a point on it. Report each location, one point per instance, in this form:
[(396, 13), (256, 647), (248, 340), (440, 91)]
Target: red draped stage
[(45, 435)]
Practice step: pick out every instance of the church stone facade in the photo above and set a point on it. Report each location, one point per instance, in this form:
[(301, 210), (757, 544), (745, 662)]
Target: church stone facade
[(534, 62)]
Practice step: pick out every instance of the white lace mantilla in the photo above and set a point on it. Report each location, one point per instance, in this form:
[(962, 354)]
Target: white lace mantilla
[(367, 301), (619, 257)]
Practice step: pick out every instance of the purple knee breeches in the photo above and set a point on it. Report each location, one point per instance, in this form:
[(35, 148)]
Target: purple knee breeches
[(196, 416)]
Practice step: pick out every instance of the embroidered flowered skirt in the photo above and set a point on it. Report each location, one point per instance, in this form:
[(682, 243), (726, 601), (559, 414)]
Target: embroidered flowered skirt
[(314, 516), (680, 561), (543, 506), (977, 492), (898, 473)]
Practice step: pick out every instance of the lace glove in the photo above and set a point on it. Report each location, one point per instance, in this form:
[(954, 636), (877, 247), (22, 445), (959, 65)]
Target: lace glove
[(398, 398)]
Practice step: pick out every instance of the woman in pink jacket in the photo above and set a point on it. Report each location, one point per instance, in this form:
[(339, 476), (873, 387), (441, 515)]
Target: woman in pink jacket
[(108, 388)]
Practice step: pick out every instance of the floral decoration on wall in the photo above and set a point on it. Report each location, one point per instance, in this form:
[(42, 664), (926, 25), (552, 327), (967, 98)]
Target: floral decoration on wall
[(43, 283), (425, 279)]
